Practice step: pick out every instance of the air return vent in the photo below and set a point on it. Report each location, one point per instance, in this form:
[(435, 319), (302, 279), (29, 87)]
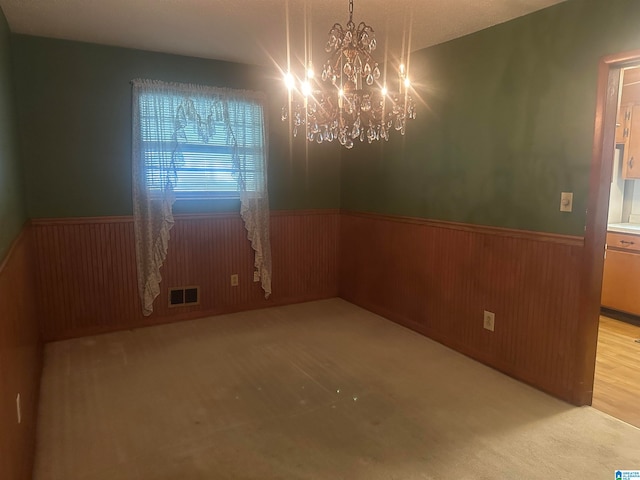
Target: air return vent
[(184, 296)]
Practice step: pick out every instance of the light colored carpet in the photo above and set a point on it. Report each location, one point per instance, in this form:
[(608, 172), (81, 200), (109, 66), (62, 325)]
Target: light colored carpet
[(322, 390)]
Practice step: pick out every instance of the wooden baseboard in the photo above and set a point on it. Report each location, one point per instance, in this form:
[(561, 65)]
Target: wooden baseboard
[(182, 317), (622, 316)]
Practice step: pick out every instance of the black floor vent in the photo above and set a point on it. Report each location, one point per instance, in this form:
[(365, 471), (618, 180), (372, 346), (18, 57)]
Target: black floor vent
[(184, 296)]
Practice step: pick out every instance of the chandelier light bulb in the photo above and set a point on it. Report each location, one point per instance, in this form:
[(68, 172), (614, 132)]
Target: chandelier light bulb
[(384, 91), (305, 88), (310, 73), (289, 81), (407, 82)]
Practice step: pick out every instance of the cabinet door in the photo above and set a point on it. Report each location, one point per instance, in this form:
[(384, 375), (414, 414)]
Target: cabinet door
[(621, 282), (631, 166)]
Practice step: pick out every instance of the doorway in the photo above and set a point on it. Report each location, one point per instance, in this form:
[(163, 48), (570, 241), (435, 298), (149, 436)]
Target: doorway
[(616, 384)]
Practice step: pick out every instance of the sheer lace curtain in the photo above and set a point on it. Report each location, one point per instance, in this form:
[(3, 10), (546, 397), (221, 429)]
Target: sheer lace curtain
[(161, 114)]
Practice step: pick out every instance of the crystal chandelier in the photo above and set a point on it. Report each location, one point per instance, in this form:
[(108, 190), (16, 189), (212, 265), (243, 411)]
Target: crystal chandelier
[(350, 102)]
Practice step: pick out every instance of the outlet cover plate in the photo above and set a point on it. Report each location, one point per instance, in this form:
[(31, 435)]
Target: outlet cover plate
[(489, 321)]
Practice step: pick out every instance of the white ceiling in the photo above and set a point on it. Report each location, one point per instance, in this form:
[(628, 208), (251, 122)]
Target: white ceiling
[(254, 31)]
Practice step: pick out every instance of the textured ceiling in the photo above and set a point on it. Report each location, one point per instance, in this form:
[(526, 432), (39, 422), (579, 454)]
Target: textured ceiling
[(255, 31)]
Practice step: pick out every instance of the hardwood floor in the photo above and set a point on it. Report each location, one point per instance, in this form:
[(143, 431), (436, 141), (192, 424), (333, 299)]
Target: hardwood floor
[(616, 388)]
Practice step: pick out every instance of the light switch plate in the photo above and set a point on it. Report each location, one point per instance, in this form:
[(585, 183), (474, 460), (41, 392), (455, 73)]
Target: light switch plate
[(566, 201)]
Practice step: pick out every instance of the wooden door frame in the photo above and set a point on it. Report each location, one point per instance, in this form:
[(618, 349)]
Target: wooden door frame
[(596, 221)]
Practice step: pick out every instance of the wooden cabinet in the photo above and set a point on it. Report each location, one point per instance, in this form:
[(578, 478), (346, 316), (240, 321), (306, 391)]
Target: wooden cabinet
[(621, 279), (631, 158)]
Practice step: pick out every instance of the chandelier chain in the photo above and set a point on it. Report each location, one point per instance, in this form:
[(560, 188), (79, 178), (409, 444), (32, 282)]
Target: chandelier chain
[(350, 11)]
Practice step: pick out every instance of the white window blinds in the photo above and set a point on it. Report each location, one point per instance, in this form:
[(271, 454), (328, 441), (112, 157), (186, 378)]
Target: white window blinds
[(205, 146)]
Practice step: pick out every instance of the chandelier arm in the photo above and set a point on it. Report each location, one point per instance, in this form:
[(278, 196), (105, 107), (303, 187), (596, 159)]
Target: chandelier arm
[(363, 27)]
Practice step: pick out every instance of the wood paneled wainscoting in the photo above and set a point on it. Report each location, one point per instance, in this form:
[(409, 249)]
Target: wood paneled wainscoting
[(86, 271), (20, 360), (438, 277)]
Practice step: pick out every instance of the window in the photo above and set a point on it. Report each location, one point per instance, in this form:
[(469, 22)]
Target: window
[(205, 140), (190, 141)]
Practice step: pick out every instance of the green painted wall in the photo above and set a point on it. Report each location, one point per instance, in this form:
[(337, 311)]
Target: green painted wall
[(74, 112), (506, 126), (12, 211)]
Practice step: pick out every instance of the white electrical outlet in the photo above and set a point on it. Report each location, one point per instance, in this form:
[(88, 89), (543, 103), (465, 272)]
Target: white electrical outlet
[(489, 321), (18, 409), (234, 280), (566, 202)]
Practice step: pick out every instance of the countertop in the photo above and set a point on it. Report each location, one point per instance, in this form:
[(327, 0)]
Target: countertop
[(633, 228)]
